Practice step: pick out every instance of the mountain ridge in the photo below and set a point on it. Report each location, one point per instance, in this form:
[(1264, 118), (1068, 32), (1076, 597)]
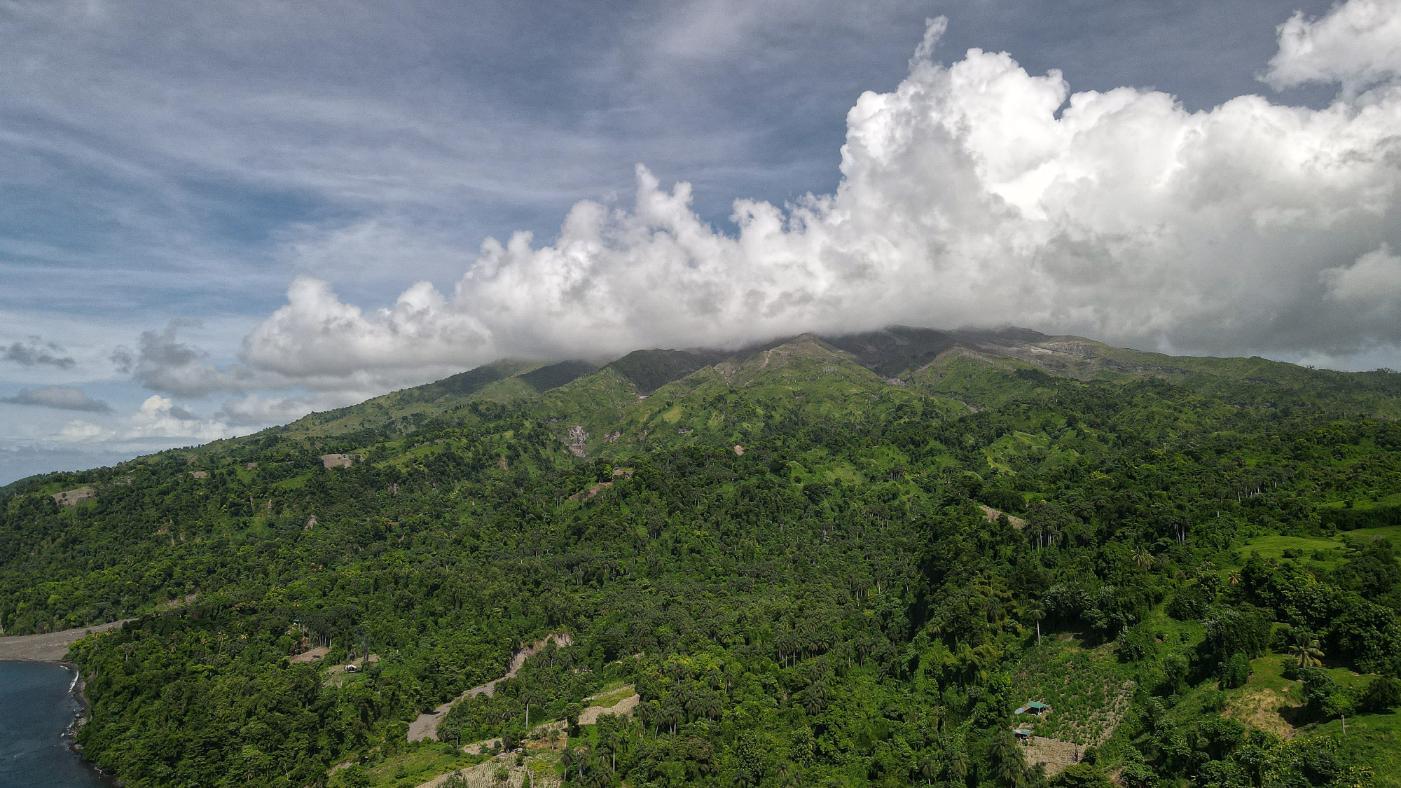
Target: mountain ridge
[(961, 364), (903, 352)]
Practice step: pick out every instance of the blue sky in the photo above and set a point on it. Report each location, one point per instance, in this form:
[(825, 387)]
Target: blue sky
[(215, 217)]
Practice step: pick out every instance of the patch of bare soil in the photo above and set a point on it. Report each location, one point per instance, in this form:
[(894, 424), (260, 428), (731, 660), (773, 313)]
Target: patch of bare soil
[(622, 708), (74, 496), (49, 646), (577, 441), (1057, 755), (484, 746), (1261, 709), (310, 655), (188, 599), (426, 725), (547, 737), (329, 461), (992, 514), (584, 495)]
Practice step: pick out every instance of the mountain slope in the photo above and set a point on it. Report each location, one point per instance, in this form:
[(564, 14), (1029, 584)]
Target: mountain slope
[(649, 370), (964, 364), (793, 552)]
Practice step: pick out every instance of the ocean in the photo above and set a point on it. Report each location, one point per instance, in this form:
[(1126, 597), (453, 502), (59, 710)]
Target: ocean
[(36, 708)]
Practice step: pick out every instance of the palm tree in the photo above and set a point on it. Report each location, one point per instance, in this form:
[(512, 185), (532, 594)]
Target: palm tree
[(1036, 611), (1143, 559), (1306, 652), (959, 766), (1008, 763)]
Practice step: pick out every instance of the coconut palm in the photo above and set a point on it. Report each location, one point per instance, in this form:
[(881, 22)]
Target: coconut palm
[(1307, 652), (1008, 764)]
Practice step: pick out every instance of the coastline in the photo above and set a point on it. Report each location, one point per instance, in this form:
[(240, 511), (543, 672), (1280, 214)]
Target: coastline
[(77, 691), (52, 648)]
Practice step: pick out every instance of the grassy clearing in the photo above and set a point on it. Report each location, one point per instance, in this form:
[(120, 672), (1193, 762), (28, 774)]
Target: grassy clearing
[(1179, 636), (547, 765), (1391, 533), (294, 483), (1373, 739), (1003, 452), (1267, 672), (1266, 699), (1354, 682), (611, 694), (1269, 702), (1316, 552), (1393, 499), (418, 765)]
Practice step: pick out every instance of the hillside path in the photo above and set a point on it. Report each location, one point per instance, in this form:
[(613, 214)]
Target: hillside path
[(426, 726)]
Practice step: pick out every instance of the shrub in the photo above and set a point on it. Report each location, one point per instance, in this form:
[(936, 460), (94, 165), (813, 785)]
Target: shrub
[(1382, 695), (1235, 671), (1134, 644), (1082, 775)]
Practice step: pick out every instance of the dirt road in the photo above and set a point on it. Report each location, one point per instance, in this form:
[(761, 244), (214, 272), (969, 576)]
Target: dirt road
[(426, 726)]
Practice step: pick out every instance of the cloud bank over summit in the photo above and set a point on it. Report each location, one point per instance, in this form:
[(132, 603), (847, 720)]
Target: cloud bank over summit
[(974, 193), (214, 218)]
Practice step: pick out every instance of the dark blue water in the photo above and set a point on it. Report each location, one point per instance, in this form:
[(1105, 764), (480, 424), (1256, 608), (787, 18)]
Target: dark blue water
[(36, 708)]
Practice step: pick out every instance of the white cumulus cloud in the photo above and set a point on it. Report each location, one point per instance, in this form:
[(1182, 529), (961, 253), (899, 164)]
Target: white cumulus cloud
[(158, 421), (1358, 43), (972, 193), (1371, 285)]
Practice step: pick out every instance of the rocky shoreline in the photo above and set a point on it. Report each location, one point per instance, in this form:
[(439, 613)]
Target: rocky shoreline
[(53, 647)]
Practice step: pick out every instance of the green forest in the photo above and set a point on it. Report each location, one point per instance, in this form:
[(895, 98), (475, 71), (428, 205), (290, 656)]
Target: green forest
[(853, 560)]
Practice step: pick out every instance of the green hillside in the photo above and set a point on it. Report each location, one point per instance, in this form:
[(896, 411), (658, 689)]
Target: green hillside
[(817, 561)]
